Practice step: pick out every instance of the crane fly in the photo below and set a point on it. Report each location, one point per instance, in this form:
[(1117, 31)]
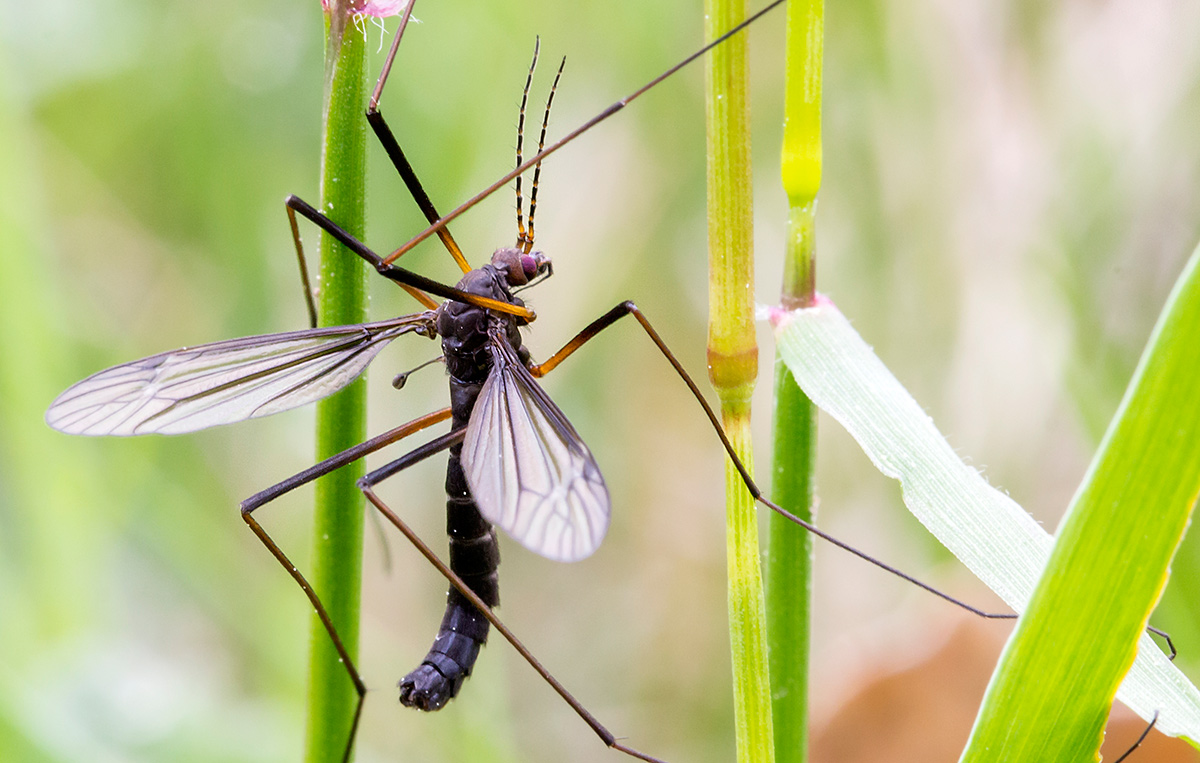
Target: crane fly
[(515, 460)]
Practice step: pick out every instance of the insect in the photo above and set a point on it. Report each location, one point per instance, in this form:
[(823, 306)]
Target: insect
[(500, 417), (515, 459)]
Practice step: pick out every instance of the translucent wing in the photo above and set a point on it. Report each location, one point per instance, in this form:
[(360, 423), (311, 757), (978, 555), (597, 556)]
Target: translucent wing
[(528, 470), (219, 383)]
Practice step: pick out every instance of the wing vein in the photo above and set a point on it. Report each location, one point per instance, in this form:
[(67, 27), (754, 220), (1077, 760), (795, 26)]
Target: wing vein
[(223, 382), (528, 469)]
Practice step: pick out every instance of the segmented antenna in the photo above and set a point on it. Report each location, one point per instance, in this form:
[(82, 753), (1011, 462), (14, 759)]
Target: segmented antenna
[(522, 237), (537, 169)]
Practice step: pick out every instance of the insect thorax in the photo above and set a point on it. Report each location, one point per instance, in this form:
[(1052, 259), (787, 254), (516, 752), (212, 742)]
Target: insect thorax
[(464, 327)]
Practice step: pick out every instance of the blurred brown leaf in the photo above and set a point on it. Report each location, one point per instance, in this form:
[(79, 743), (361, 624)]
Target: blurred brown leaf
[(923, 713)]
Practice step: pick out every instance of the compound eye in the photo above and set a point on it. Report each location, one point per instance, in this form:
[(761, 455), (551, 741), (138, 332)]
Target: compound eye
[(534, 264), (529, 264)]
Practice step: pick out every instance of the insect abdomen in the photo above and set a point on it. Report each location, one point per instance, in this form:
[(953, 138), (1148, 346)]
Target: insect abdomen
[(475, 557)]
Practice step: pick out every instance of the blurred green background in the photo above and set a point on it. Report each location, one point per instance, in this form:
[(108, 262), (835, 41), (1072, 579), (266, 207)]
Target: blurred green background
[(1010, 190)]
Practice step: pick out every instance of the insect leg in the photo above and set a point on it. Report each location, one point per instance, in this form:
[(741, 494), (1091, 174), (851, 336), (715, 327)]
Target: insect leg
[(411, 281), (296, 204), (366, 484), (603, 115), (1165, 637), (629, 308), (1138, 742), (409, 176), (309, 298), (347, 456), (392, 147), (328, 465)]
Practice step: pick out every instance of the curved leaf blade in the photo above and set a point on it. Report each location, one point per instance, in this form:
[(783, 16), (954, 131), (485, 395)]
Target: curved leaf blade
[(988, 531)]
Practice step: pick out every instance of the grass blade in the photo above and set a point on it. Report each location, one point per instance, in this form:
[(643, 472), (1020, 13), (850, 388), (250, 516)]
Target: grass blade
[(983, 527), (1050, 696)]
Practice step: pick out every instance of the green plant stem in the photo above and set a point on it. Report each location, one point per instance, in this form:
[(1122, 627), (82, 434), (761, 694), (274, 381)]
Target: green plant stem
[(789, 567), (341, 420), (789, 563), (733, 363)]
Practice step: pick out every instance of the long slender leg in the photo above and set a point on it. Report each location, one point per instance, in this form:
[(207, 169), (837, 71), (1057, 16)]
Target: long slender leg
[(1171, 653), (328, 465), (296, 204), (309, 298), (1138, 742), (367, 483), (629, 308), (347, 456), (603, 115), (405, 278), (392, 147)]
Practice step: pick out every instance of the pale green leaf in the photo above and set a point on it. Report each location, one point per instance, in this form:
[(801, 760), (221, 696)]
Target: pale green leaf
[(988, 531)]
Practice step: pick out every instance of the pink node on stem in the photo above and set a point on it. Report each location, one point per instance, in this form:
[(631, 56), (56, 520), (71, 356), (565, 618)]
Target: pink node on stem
[(377, 8)]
